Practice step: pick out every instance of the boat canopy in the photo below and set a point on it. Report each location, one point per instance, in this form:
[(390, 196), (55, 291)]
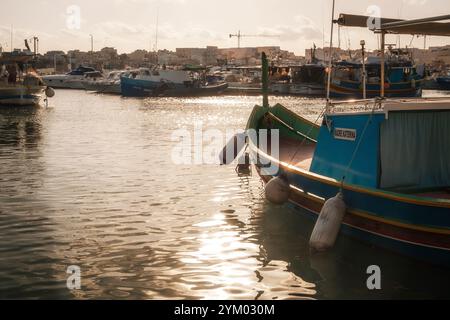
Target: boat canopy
[(427, 26), (81, 70)]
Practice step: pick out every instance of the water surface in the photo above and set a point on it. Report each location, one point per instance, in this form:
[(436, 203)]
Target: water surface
[(90, 181)]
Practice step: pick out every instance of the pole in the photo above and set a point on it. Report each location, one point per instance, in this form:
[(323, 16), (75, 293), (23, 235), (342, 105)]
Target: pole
[(92, 43), (239, 38), (156, 31), (35, 45), (12, 38), (364, 68), (383, 34), (265, 80), (330, 60)]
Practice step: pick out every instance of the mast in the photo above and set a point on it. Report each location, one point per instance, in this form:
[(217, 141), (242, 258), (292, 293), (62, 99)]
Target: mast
[(156, 35), (156, 30), (265, 80), (331, 56), (363, 43), (11, 39), (383, 34)]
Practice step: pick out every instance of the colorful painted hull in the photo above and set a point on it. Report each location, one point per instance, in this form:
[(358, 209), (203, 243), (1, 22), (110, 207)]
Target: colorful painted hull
[(21, 95), (145, 88), (353, 90), (410, 225)]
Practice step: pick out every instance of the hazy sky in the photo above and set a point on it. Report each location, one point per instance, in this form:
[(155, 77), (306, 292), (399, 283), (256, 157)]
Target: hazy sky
[(130, 24)]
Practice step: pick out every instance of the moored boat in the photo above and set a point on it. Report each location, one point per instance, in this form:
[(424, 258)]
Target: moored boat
[(19, 94), (394, 182), (110, 84), (19, 84), (402, 79), (74, 79), (308, 80), (147, 82), (443, 82)]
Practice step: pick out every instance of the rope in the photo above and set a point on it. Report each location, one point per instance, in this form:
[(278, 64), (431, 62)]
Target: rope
[(290, 128)]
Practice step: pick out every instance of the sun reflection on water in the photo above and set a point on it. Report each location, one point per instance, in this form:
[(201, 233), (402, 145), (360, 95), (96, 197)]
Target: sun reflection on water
[(229, 263)]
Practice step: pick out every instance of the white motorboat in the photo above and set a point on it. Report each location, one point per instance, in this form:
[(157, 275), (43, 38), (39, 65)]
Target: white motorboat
[(110, 84), (74, 79)]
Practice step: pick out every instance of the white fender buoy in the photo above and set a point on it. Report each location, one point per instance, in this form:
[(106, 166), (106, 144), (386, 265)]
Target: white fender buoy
[(233, 147), (328, 224), (49, 92), (277, 190)]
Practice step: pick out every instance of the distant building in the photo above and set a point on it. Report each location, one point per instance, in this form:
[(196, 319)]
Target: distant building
[(108, 58), (212, 55)]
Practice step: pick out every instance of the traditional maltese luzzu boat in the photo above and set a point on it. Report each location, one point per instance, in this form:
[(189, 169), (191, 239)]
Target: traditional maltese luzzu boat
[(19, 84), (389, 160)]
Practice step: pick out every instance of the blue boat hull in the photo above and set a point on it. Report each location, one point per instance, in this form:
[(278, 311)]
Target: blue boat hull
[(353, 90), (433, 255), (378, 231), (144, 88)]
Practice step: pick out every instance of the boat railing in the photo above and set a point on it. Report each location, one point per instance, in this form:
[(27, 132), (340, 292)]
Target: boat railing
[(378, 104)]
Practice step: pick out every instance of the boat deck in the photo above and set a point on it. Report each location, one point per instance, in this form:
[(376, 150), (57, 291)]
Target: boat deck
[(298, 154)]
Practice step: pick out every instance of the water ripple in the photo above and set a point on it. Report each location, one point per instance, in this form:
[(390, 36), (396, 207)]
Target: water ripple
[(90, 182)]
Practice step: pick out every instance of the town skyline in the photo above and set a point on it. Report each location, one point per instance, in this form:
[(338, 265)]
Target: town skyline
[(195, 23)]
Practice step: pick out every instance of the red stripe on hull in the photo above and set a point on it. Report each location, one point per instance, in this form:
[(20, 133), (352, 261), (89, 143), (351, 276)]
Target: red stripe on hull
[(423, 238)]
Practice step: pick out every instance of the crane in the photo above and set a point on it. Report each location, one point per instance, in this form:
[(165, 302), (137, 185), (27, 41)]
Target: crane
[(239, 35)]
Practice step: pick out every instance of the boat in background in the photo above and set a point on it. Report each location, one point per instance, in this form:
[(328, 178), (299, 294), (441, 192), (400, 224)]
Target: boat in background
[(403, 78), (19, 83), (109, 84), (308, 80), (303, 80), (389, 159), (279, 79), (74, 79), (146, 82), (243, 80), (444, 82)]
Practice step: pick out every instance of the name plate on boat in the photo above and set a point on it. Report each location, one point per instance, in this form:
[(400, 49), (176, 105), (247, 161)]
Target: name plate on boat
[(345, 134)]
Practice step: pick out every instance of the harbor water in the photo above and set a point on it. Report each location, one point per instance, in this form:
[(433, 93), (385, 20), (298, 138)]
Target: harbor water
[(90, 181)]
